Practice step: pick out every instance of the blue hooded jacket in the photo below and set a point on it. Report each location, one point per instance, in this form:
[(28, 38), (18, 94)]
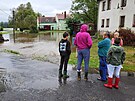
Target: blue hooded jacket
[(103, 47)]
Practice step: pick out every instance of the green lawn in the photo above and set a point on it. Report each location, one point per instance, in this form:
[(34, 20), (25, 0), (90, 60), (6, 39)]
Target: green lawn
[(129, 64), (3, 32)]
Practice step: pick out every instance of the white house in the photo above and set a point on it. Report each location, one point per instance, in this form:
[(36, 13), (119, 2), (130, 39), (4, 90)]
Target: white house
[(61, 20), (115, 14), (53, 23)]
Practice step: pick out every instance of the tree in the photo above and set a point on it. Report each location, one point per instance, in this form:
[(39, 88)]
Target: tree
[(25, 17), (71, 21), (85, 10)]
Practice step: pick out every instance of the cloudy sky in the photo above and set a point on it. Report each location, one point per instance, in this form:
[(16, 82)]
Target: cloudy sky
[(45, 7)]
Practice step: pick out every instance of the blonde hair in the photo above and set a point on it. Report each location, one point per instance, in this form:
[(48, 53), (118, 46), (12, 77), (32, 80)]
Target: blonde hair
[(116, 34)]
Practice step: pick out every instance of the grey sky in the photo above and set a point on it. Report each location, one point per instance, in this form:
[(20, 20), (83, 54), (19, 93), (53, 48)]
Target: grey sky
[(45, 7)]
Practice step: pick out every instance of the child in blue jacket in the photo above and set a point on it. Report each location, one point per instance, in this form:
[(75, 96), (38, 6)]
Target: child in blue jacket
[(103, 47)]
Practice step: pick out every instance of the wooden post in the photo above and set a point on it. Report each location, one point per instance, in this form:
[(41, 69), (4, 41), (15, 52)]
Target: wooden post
[(14, 26)]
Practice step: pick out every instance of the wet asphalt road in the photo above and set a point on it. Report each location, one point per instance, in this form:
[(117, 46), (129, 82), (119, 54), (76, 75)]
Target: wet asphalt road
[(23, 79)]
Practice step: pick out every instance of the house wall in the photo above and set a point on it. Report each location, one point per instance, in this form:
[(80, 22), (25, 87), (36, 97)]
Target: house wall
[(61, 24), (53, 25), (114, 15)]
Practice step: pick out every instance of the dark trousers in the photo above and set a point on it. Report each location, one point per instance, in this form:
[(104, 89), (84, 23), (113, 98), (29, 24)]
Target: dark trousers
[(64, 61), (103, 68)]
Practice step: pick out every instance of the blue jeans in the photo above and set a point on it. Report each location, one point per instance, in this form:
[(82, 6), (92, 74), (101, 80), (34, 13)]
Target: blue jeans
[(103, 68), (83, 54)]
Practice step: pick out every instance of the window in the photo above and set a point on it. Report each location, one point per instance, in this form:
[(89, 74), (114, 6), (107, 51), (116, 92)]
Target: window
[(122, 21), (108, 4), (123, 3), (47, 20), (134, 20), (102, 23), (107, 22), (103, 6)]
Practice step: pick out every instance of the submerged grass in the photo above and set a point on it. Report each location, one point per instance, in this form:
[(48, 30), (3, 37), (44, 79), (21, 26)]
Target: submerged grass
[(129, 64), (11, 51)]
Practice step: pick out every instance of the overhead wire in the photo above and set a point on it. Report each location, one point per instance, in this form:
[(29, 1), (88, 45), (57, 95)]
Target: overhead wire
[(5, 12)]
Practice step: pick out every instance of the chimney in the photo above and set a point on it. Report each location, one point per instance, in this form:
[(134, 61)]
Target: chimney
[(65, 15)]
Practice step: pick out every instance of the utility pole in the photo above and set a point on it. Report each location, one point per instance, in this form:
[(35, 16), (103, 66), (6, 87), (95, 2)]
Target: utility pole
[(14, 25)]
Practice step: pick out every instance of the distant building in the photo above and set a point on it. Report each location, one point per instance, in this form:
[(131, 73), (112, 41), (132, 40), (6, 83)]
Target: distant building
[(115, 14), (61, 20), (52, 23), (46, 23)]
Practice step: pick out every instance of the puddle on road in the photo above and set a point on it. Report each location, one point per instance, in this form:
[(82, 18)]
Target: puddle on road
[(2, 73), (21, 73)]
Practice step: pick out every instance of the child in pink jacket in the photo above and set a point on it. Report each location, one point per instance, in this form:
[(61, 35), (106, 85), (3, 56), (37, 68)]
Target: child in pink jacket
[(116, 35)]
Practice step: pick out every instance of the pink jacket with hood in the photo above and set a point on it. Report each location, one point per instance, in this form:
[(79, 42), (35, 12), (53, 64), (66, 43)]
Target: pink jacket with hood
[(83, 39)]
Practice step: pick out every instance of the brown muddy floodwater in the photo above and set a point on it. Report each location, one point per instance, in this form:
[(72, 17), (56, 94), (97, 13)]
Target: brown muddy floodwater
[(37, 46)]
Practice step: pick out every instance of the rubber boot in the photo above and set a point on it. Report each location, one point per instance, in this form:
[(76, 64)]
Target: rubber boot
[(60, 74), (65, 76), (116, 83), (79, 76), (86, 76), (109, 84)]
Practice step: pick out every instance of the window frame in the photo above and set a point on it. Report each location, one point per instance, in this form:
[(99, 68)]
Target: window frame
[(133, 20), (122, 22), (102, 23), (123, 3), (103, 5), (107, 22), (108, 4)]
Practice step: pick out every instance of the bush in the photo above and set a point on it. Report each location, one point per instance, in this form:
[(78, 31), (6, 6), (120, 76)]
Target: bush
[(128, 37), (33, 29), (1, 28)]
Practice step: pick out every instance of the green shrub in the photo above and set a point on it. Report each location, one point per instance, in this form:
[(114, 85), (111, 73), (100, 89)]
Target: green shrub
[(33, 29), (1, 28), (128, 37)]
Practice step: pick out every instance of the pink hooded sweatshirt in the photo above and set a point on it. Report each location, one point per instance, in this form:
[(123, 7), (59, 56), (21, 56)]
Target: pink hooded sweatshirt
[(83, 39)]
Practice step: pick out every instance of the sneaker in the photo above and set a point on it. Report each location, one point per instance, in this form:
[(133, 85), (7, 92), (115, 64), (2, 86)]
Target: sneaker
[(101, 79), (85, 78), (79, 78)]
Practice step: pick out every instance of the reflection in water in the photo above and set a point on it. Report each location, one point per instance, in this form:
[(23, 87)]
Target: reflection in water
[(25, 38)]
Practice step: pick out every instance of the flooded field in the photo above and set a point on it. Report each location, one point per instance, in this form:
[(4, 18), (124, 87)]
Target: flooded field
[(40, 46)]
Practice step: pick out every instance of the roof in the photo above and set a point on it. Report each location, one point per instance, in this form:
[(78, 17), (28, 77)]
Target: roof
[(62, 16), (46, 19)]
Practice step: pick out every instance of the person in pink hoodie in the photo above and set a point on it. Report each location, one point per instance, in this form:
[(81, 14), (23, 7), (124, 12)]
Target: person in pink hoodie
[(83, 42)]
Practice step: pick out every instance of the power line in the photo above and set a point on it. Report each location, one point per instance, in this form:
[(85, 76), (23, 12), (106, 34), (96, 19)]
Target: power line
[(5, 12)]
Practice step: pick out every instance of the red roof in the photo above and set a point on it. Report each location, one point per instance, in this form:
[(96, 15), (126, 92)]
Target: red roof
[(46, 19), (62, 16)]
